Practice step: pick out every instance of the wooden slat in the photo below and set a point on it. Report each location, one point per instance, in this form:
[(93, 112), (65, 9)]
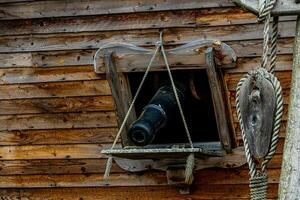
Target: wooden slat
[(35, 75), (57, 121), (142, 37), (166, 19), (58, 136), (283, 63), (283, 76), (76, 166), (221, 176), (198, 192), (76, 151), (69, 151), (98, 23), (41, 9), (63, 166), (55, 89), (248, 48), (56, 105)]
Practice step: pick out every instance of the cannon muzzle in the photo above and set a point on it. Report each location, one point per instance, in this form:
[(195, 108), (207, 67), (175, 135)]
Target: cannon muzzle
[(156, 114)]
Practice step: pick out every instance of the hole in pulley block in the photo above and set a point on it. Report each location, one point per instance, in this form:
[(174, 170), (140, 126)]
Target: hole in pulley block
[(162, 116)]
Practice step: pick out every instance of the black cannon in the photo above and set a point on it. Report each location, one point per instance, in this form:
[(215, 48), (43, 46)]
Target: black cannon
[(161, 108)]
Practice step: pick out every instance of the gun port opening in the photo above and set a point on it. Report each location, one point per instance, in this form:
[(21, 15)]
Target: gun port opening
[(197, 107)]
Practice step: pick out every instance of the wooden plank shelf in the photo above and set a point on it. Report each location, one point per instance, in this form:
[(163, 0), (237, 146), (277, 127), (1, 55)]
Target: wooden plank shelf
[(213, 149)]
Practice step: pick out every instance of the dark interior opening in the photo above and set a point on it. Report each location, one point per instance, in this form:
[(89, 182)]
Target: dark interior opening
[(199, 111)]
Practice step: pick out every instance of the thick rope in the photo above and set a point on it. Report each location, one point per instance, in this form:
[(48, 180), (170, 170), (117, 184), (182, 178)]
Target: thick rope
[(274, 41), (259, 179)]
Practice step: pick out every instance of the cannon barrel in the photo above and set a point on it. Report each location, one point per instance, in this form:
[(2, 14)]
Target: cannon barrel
[(161, 108)]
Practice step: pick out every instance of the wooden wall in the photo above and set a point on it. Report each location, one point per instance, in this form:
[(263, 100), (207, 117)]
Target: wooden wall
[(56, 114)]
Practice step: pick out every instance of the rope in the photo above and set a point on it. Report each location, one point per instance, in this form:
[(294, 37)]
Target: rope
[(109, 160), (190, 162), (191, 158), (259, 179)]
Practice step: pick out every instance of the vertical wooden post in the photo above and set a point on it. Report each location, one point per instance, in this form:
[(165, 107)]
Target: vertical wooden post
[(289, 188)]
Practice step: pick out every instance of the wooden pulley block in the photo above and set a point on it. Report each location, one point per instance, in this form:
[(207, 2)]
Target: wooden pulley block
[(257, 104)]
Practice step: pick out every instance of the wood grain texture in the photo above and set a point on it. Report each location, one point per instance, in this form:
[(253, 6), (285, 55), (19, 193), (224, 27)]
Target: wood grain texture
[(36, 75), (43, 9), (56, 105), (75, 166), (55, 89), (56, 115), (246, 50), (57, 136), (57, 121), (222, 177), (173, 36)]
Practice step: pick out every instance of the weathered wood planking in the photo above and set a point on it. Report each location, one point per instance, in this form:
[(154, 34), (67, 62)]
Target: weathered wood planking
[(42, 9), (55, 89), (75, 166), (59, 166), (147, 37), (56, 105), (221, 177), (167, 19), (82, 58), (58, 121), (283, 76), (199, 192), (65, 151), (38, 75), (58, 136), (48, 77)]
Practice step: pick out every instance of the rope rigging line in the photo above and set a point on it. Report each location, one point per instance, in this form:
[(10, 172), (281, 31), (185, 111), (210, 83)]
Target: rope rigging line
[(191, 158), (259, 178)]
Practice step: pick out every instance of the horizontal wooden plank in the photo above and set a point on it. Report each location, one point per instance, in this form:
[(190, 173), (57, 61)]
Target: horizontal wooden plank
[(63, 166), (198, 192), (283, 63), (98, 23), (76, 166), (142, 20), (221, 176), (58, 136), (69, 151), (55, 89), (58, 121), (31, 152), (148, 37), (42, 9), (56, 105), (35, 75), (247, 48)]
